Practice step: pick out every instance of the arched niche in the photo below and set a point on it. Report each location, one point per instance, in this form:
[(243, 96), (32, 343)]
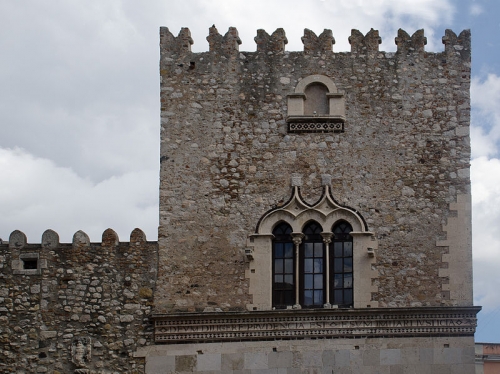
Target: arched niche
[(316, 106)]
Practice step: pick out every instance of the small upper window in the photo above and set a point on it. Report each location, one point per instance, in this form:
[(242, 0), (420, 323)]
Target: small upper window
[(316, 106)]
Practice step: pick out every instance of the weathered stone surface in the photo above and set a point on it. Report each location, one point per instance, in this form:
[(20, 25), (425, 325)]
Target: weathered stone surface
[(400, 161), (77, 293)]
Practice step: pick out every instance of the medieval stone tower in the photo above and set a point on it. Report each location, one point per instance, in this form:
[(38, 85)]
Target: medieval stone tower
[(315, 217), (314, 206)]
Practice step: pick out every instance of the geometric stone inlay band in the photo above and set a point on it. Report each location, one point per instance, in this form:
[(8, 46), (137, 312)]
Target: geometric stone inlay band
[(303, 324), (316, 127)]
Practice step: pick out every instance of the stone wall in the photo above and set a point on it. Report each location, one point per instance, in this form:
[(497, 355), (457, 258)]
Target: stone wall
[(343, 356), (401, 161), (80, 307)]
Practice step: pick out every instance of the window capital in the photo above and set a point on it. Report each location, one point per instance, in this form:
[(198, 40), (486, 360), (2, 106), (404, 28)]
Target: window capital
[(297, 237), (327, 237)]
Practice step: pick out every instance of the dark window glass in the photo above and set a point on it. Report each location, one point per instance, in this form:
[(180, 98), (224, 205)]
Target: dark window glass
[(30, 264), (312, 256), (283, 267), (341, 271)]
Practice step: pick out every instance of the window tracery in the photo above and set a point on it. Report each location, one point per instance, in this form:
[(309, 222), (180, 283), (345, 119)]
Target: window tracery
[(298, 264)]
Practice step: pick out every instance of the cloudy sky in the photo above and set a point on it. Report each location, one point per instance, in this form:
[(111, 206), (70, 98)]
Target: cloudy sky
[(79, 107)]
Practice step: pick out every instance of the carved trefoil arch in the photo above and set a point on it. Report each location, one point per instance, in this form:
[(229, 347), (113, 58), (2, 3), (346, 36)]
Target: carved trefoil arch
[(297, 213), (316, 106)]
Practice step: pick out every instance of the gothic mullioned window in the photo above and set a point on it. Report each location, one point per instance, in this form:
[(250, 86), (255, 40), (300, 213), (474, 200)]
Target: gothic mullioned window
[(297, 262)]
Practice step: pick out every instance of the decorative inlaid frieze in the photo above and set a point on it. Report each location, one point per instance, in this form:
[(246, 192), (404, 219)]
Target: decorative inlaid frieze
[(316, 127), (302, 324)]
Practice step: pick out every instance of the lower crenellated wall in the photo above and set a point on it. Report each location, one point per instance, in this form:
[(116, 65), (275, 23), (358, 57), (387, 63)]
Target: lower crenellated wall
[(78, 308)]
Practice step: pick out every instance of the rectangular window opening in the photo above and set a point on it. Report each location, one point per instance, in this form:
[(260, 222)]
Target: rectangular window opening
[(30, 263)]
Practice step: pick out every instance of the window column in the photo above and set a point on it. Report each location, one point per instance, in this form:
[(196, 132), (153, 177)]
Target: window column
[(327, 239), (297, 240)]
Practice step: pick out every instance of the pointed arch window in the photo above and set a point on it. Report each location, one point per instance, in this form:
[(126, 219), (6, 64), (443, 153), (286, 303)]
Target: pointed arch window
[(306, 256), (341, 265), (283, 266), (312, 269)]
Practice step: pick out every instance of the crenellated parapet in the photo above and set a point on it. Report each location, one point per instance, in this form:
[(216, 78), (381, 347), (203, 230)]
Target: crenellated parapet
[(180, 45), (364, 43), (317, 44), (81, 250), (410, 44), (460, 44), (227, 44), (271, 43)]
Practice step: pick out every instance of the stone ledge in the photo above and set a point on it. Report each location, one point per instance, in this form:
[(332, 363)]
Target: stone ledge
[(307, 324)]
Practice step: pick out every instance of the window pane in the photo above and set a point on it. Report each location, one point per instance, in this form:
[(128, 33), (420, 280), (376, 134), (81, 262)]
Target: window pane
[(338, 265), (278, 278), (278, 266), (337, 249), (318, 265), (289, 297), (337, 281), (347, 249), (288, 250), (278, 250), (348, 280), (318, 297), (348, 296), (289, 280), (318, 249), (308, 297), (289, 266), (318, 281), (308, 249), (308, 281), (337, 298), (308, 265), (348, 265)]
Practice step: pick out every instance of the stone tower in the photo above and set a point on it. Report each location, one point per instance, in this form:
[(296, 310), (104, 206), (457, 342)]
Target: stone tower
[(311, 198)]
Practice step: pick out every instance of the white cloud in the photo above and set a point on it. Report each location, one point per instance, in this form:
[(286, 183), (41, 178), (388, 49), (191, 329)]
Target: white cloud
[(476, 9), (485, 132), (485, 175), (36, 195)]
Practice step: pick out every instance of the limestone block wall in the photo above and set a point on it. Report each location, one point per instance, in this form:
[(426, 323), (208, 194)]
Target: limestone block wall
[(79, 306), (346, 356), (227, 157)]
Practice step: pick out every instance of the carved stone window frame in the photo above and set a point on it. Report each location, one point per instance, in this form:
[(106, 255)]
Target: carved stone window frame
[(297, 213), (298, 121), (18, 265)]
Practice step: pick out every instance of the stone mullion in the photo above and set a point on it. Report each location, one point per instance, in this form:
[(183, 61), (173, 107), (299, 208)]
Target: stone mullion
[(297, 240), (327, 239)]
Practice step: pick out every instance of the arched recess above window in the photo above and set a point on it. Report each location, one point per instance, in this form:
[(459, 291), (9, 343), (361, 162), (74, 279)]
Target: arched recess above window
[(337, 224), (316, 106)]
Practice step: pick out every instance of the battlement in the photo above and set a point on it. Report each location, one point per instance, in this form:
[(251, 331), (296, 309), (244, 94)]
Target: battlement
[(228, 44), (32, 259)]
